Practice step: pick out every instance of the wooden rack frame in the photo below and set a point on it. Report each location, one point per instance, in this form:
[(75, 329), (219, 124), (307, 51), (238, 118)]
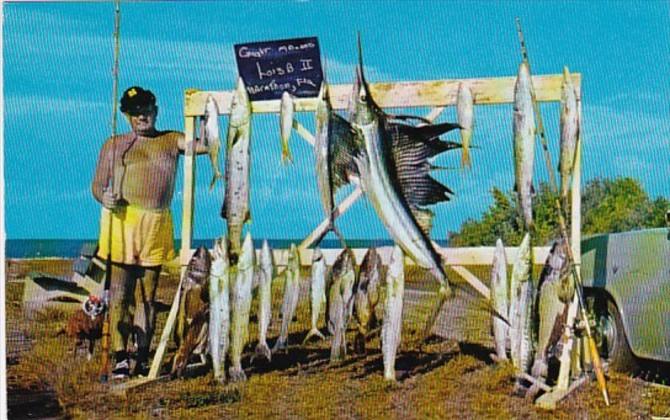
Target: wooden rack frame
[(438, 94)]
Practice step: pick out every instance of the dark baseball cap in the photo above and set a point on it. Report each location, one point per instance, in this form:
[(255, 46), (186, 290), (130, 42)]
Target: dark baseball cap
[(136, 99)]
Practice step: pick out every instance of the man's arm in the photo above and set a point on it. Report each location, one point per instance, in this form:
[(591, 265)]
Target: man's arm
[(200, 147), (103, 171)]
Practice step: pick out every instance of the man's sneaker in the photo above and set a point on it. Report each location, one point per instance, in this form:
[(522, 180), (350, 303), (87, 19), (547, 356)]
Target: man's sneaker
[(121, 370)]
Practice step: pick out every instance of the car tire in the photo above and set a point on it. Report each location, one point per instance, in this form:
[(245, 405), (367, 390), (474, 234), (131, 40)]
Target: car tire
[(614, 346)]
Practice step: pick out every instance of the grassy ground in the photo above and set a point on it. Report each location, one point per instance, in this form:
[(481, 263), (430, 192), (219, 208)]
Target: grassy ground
[(448, 379)]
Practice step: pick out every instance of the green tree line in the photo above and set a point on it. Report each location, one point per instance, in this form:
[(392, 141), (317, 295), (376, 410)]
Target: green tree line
[(608, 205)]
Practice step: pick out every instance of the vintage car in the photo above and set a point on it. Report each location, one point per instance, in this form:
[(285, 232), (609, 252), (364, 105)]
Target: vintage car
[(626, 280)]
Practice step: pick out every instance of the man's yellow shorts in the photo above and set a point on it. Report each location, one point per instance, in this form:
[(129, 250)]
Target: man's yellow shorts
[(139, 237)]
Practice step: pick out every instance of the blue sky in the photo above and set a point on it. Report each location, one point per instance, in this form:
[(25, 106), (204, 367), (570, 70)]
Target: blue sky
[(58, 88)]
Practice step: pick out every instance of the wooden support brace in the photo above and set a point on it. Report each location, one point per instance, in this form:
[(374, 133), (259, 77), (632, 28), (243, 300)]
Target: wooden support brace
[(434, 113), (340, 209), (473, 280), (304, 133)]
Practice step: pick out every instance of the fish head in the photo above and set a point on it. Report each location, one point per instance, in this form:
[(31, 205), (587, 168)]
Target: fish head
[(240, 105), (363, 109), (211, 108), (219, 257), (397, 264), (199, 266), (343, 264), (317, 256), (246, 259), (266, 255)]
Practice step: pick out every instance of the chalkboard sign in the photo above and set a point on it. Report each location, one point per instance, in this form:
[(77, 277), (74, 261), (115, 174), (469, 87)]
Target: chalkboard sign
[(271, 67)]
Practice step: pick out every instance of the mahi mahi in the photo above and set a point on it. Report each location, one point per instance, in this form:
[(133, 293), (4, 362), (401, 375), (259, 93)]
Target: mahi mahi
[(286, 113), (367, 296), (212, 137), (236, 202), (569, 127), (266, 274), (219, 310), (500, 300), (317, 292), (340, 299), (524, 143), (240, 296), (291, 294), (392, 323), (465, 111), (334, 144)]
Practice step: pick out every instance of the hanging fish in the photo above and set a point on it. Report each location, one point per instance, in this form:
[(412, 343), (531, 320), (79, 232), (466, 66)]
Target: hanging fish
[(569, 128), (240, 301), (265, 276), (392, 323), (286, 115), (238, 161), (191, 332), (219, 312), (366, 297), (317, 292), (500, 300), (340, 299), (334, 146), (524, 143), (291, 295), (521, 308), (465, 110), (212, 137)]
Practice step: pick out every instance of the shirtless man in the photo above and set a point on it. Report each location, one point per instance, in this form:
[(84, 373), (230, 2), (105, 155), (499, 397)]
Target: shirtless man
[(138, 206)]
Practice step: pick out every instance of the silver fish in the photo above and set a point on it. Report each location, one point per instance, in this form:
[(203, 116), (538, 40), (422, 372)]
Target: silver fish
[(212, 136), (238, 161), (521, 306), (333, 149), (500, 300), (317, 292), (266, 274), (524, 143), (340, 299), (240, 296), (191, 332), (555, 293), (219, 309), (569, 127), (367, 296), (465, 111), (291, 294), (395, 175), (286, 113), (392, 323)]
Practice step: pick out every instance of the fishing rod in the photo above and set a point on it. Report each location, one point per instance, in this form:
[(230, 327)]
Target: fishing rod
[(104, 368), (595, 356)]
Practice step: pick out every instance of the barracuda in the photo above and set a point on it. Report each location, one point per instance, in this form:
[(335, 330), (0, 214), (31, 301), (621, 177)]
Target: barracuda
[(235, 207), (219, 310), (242, 277)]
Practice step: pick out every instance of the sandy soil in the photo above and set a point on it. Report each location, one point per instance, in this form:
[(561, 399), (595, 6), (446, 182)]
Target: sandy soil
[(452, 377)]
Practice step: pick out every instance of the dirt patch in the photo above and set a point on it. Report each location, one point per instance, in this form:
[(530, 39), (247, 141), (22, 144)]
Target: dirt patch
[(447, 378)]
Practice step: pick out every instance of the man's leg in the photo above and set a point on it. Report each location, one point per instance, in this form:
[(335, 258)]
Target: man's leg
[(122, 299), (145, 315)]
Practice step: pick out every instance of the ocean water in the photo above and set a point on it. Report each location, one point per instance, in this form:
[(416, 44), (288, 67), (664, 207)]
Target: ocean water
[(71, 248)]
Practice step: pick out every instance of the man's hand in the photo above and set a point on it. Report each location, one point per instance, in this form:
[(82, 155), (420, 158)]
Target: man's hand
[(110, 200)]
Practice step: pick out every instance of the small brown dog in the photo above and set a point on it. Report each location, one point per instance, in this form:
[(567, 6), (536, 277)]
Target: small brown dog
[(86, 324)]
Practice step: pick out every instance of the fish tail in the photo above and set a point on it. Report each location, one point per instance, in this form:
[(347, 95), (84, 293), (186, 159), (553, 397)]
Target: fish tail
[(262, 350), (282, 343), (314, 332), (286, 155), (216, 176), (466, 161)]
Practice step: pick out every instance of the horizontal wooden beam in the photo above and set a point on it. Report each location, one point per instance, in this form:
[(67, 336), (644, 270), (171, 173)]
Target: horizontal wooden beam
[(488, 91), (452, 256)]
